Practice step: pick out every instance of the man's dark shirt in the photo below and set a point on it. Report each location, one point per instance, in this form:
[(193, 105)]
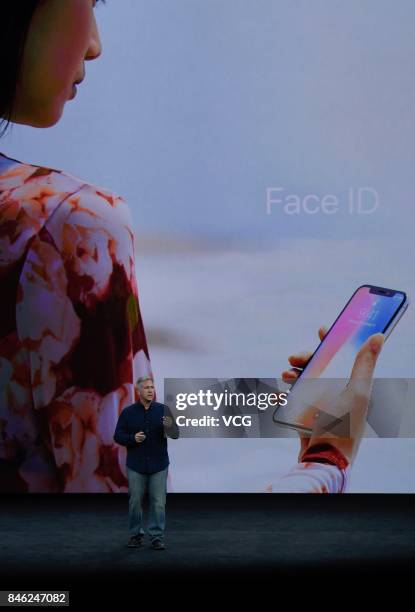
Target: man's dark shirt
[(151, 455)]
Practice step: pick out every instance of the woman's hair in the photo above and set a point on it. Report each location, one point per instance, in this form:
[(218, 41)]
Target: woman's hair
[(16, 16)]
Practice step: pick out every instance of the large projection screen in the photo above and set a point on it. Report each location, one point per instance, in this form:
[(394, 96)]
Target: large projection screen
[(266, 150)]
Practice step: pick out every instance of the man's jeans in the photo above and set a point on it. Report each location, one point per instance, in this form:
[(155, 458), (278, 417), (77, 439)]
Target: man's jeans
[(157, 485)]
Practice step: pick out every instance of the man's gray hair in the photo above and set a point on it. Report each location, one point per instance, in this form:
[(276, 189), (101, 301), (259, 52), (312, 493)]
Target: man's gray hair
[(143, 379)]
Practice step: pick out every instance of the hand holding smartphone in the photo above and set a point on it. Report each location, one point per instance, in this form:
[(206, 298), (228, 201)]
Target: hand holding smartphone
[(370, 310)]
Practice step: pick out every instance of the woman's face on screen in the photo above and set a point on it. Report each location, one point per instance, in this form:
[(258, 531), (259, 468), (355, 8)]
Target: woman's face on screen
[(63, 35)]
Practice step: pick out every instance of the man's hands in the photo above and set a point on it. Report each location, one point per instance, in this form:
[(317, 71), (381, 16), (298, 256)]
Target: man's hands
[(167, 422), (140, 436), (353, 401)]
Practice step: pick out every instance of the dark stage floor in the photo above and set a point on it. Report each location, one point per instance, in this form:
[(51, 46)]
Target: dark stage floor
[(62, 541)]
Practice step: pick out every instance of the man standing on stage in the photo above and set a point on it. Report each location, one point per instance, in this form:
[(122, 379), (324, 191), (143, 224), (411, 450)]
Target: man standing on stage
[(143, 428)]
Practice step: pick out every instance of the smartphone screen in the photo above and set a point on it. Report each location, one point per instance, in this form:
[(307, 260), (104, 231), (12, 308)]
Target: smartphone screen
[(370, 310)]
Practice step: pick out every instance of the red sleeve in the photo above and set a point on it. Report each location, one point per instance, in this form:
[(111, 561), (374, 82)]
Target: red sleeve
[(325, 453)]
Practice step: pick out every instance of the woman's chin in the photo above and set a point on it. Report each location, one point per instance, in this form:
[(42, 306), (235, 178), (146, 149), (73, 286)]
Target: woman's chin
[(48, 120), (44, 119)]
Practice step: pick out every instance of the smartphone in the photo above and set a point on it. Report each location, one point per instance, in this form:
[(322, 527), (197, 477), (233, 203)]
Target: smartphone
[(370, 310)]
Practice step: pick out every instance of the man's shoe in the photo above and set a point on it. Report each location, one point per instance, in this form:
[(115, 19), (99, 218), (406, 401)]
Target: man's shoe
[(136, 541), (157, 544)]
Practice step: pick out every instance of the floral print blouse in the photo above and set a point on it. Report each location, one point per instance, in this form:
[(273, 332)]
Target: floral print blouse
[(72, 342)]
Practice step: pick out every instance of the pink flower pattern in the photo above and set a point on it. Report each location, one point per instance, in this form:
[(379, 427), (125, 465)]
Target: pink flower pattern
[(72, 342)]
